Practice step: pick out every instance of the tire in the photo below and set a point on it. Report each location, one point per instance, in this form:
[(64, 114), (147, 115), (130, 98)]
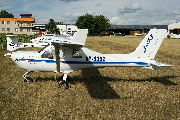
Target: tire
[(63, 84)]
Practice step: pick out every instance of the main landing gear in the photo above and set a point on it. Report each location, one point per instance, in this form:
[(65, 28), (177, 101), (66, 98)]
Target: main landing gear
[(63, 83), (27, 79)]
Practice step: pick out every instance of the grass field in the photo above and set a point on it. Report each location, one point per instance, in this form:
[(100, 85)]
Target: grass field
[(105, 93)]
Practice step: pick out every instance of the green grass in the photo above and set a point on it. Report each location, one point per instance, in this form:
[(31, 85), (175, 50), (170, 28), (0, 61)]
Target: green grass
[(105, 93)]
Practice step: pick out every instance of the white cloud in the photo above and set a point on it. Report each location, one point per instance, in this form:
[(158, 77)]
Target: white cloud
[(71, 18), (42, 21), (131, 8), (165, 22), (91, 13), (4, 4), (178, 17), (151, 13), (176, 12), (118, 21)]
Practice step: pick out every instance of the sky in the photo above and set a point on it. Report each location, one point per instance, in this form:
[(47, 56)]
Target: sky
[(119, 12)]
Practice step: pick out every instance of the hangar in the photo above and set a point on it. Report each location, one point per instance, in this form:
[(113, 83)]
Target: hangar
[(132, 29), (174, 28)]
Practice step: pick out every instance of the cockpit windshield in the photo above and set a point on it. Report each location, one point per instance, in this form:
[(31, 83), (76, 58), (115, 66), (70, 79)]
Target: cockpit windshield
[(49, 53)]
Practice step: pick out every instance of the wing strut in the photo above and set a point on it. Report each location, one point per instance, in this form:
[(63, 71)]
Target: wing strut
[(57, 59)]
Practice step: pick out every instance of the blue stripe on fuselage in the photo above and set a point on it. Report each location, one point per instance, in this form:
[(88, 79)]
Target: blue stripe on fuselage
[(82, 62)]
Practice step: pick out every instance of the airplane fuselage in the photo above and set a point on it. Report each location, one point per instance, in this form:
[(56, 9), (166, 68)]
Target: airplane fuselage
[(86, 58)]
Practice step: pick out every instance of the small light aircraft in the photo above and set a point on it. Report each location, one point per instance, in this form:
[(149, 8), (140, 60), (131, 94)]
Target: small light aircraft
[(66, 55), (139, 34)]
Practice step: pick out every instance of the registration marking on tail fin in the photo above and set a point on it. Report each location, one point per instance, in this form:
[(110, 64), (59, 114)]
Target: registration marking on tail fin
[(150, 44)]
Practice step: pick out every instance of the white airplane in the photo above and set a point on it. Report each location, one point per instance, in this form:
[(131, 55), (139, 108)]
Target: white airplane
[(139, 34), (67, 55)]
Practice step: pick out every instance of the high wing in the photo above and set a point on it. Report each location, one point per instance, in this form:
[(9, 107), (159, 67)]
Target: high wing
[(79, 38)]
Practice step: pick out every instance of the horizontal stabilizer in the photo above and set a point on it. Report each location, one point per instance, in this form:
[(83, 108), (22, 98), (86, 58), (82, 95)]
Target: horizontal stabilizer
[(152, 67), (156, 65), (161, 64)]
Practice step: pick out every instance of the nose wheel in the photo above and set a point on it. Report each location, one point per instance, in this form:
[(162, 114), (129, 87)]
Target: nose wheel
[(63, 83), (27, 79)]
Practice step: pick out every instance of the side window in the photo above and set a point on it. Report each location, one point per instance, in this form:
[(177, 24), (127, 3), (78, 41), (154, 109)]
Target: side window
[(21, 29), (77, 53), (16, 29)]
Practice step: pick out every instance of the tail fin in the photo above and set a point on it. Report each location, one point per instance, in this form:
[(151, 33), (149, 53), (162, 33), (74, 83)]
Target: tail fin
[(80, 36), (12, 41), (150, 44), (13, 44)]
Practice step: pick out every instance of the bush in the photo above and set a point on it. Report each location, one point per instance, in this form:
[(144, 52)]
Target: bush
[(3, 41)]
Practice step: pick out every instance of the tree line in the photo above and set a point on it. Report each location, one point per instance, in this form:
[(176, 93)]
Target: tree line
[(94, 24)]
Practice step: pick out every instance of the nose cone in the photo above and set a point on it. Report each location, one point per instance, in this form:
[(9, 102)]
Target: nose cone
[(8, 55), (15, 56), (20, 57)]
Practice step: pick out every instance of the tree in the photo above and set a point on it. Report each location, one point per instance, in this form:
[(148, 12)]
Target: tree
[(95, 24), (4, 14), (101, 24), (86, 22), (59, 23), (51, 26)]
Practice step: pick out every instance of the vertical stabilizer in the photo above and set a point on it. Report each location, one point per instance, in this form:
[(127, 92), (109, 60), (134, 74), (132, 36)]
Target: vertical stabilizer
[(80, 36), (12, 41), (150, 44)]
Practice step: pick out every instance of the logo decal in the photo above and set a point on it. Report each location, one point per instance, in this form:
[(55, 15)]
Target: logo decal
[(148, 42)]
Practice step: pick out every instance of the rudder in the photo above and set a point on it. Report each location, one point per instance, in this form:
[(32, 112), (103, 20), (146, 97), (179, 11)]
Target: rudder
[(150, 44), (11, 42)]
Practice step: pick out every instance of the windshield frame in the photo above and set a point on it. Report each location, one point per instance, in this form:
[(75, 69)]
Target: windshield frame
[(43, 48)]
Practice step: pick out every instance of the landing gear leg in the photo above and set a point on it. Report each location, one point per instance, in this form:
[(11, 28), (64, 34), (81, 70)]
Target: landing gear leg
[(27, 79), (64, 81)]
